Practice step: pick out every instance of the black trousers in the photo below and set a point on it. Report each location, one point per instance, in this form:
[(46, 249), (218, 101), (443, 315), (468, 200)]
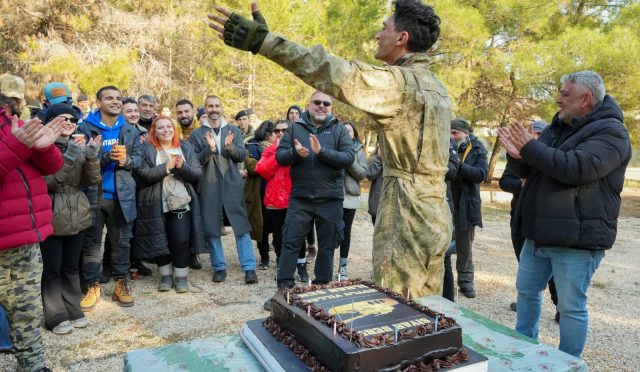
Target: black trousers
[(178, 228), (267, 229), (330, 228), (347, 216), (277, 218), (518, 241), (61, 293), (448, 287)]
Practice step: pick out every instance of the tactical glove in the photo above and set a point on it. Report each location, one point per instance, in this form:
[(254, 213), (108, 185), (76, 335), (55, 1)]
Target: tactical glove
[(245, 34)]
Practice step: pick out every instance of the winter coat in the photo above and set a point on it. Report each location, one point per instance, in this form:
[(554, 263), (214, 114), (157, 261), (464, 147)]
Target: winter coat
[(511, 183), (25, 206), (125, 184), (412, 111), (374, 174), (151, 235), (356, 172), (278, 179), (71, 210), (465, 187), (221, 185), (252, 189), (320, 177), (574, 177)]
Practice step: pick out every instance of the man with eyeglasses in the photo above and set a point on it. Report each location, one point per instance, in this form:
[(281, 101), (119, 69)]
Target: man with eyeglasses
[(412, 111), (318, 149)]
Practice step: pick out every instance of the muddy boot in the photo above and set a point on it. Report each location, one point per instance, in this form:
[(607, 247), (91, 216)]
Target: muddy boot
[(166, 278), (182, 285)]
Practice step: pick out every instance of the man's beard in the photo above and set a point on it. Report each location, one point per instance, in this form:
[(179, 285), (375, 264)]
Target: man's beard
[(186, 122), (319, 118)]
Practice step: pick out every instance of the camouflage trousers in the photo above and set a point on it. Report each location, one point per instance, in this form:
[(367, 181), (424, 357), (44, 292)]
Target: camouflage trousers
[(20, 295)]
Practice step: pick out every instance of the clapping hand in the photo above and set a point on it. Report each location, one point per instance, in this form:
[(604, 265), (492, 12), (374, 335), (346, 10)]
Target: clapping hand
[(229, 139), (315, 144), (514, 138), (211, 141), (301, 150), (179, 162), (172, 162), (33, 133)]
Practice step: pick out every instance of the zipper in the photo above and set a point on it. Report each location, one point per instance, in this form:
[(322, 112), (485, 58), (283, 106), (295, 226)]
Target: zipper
[(33, 218)]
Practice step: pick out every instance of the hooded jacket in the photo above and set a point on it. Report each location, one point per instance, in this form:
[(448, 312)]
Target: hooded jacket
[(465, 186), (25, 206), (317, 177), (278, 179), (574, 176)]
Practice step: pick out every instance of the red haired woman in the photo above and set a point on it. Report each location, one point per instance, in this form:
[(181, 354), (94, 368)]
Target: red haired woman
[(169, 226)]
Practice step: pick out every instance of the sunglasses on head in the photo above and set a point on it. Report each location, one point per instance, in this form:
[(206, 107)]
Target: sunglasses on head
[(276, 131), (321, 103)]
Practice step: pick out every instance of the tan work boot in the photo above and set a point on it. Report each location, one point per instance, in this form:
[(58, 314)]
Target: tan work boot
[(91, 298), (122, 293)]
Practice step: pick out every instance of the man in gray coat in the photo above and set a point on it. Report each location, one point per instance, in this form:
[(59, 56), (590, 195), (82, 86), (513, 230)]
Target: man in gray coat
[(220, 147)]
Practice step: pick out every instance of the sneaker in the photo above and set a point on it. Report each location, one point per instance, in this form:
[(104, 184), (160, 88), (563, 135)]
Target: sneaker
[(250, 277), (122, 293), (312, 253), (219, 276), (513, 306), (80, 322), (303, 276), (182, 285), (105, 275), (342, 273), (63, 328), (166, 283), (194, 263), (264, 263), (91, 298)]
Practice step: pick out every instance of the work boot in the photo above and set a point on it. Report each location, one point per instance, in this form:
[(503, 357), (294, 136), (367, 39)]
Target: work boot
[(311, 255), (250, 277), (342, 271), (219, 276), (468, 292), (122, 293), (180, 274), (91, 298), (303, 276), (194, 263)]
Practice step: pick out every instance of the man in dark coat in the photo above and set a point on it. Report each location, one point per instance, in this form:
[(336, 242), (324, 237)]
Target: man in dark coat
[(220, 148), (318, 149), (465, 190), (568, 209)]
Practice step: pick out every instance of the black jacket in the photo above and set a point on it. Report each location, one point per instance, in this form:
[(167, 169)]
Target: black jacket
[(317, 177), (511, 183), (151, 237), (465, 187), (574, 178)]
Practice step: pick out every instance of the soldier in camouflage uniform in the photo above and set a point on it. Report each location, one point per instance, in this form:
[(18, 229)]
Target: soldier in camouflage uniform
[(413, 113), (26, 154)]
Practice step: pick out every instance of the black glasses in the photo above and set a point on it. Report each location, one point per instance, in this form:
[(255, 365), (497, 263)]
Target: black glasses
[(321, 103), (73, 119), (276, 131)]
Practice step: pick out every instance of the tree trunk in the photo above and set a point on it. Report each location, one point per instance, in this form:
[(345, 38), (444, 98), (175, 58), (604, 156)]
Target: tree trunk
[(503, 122)]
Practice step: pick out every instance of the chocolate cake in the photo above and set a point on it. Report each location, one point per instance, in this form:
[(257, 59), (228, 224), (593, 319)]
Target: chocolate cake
[(356, 325)]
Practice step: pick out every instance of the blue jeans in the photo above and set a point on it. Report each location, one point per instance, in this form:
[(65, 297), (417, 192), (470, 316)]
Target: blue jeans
[(245, 253), (572, 270)]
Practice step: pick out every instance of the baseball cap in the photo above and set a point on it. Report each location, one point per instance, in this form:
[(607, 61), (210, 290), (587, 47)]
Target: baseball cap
[(539, 125), (57, 93), (12, 86)]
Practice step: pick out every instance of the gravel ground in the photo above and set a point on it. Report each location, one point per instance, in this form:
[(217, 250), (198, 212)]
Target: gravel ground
[(215, 309)]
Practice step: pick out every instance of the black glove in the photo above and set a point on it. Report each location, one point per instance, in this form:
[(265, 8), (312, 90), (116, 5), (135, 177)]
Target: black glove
[(244, 34)]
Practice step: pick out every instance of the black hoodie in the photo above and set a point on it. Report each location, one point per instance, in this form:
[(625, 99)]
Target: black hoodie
[(318, 177), (574, 176)]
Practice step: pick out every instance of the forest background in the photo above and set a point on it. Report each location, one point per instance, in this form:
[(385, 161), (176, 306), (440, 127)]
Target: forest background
[(501, 60)]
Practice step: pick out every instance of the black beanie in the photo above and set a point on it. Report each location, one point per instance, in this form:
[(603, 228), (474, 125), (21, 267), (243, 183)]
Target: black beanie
[(461, 125), (57, 110)]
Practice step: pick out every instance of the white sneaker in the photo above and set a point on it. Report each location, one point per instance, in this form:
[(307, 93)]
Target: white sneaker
[(80, 322), (63, 328)]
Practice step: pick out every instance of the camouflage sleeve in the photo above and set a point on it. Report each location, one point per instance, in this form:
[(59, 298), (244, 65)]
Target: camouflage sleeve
[(379, 91)]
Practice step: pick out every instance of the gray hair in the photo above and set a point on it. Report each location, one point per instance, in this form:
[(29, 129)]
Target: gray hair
[(148, 98), (590, 80)]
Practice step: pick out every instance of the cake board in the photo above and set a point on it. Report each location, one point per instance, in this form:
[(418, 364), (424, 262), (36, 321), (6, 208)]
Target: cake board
[(276, 357)]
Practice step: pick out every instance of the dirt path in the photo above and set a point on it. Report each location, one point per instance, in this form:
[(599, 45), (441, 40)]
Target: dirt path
[(163, 318)]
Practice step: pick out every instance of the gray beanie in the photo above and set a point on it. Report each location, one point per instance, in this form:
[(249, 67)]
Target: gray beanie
[(461, 125)]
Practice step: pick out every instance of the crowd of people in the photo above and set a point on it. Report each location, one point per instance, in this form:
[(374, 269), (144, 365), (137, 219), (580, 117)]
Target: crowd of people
[(166, 188)]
